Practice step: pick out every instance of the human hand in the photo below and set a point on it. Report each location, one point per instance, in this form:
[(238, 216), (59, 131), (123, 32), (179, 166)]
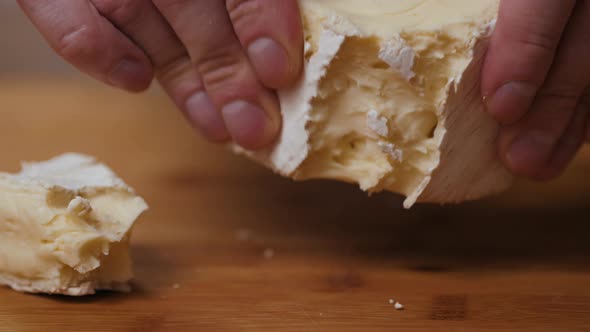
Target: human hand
[(219, 60), (536, 80)]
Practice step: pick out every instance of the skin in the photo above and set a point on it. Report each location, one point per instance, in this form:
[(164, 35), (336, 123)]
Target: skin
[(536, 80), (219, 60), (222, 60)]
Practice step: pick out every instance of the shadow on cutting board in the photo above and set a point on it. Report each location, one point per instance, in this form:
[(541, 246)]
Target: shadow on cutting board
[(530, 226)]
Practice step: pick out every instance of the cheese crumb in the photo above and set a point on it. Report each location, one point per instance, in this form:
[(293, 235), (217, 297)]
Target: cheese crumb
[(392, 151), (306, 47), (79, 206), (399, 56), (398, 306), (377, 123), (269, 253), (391, 301), (243, 235)]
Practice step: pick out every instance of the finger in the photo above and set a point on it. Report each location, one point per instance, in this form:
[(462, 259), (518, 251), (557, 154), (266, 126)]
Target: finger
[(181, 80), (568, 146), (272, 34), (79, 34), (521, 53), (529, 144), (143, 23), (250, 111)]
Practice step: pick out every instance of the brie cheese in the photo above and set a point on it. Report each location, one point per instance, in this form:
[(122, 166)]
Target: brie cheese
[(390, 100), (65, 226)]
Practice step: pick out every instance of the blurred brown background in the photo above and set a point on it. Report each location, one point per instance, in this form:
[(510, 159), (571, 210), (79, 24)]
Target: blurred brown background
[(23, 49), (510, 263)]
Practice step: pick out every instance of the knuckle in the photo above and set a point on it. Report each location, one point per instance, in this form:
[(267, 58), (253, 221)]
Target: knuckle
[(121, 11), (220, 67), (167, 58), (174, 68), (538, 42), (243, 12), (170, 3), (79, 43), (180, 79), (566, 94)]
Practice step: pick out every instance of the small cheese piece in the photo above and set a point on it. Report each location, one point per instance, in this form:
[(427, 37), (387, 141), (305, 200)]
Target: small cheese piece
[(390, 100), (65, 226)]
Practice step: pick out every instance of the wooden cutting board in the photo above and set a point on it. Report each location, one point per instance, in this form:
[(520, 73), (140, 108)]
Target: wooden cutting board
[(228, 246)]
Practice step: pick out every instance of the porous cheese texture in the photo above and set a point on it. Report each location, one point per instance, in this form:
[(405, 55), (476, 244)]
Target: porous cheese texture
[(390, 100), (65, 226)]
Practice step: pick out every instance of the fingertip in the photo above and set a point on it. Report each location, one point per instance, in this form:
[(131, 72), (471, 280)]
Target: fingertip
[(271, 31), (250, 126), (274, 66), (132, 75), (511, 101), (206, 118), (525, 153), (568, 146)]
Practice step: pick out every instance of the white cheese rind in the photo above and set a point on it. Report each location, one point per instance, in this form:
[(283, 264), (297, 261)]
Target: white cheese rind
[(399, 56), (70, 171), (65, 227), (469, 167), (291, 148)]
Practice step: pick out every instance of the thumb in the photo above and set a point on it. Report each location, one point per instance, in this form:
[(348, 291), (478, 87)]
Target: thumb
[(521, 53)]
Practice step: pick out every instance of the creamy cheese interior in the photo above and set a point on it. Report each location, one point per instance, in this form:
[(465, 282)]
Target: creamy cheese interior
[(389, 17), (65, 227), (376, 119)]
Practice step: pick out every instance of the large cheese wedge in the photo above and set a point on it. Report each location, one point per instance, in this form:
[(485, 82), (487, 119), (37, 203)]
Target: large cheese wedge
[(65, 226), (390, 100)]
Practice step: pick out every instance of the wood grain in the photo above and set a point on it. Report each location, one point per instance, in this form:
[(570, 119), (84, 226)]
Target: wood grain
[(517, 262)]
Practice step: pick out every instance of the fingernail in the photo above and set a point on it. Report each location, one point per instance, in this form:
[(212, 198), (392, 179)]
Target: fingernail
[(204, 115), (270, 60), (130, 75), (530, 151), (246, 124), (511, 101)]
